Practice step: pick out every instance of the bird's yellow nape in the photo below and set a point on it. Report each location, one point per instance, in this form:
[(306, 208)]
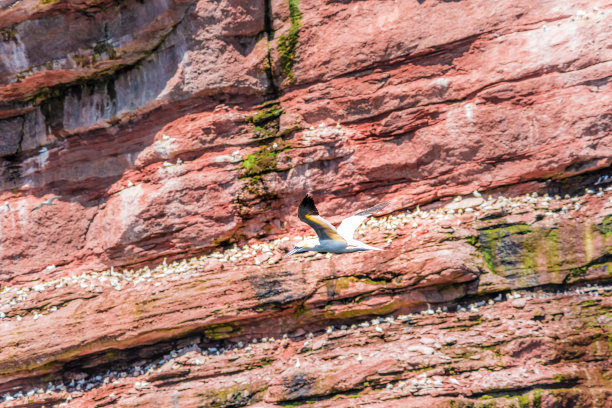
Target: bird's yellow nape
[(323, 228)]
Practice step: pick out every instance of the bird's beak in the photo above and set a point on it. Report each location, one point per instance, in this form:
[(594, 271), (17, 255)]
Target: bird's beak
[(293, 251)]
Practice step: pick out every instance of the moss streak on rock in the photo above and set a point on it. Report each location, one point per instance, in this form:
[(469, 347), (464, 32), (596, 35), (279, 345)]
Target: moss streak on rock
[(520, 250), (288, 42), (589, 230), (266, 122), (367, 311), (260, 162), (605, 228), (265, 129), (265, 115), (492, 245), (221, 331)]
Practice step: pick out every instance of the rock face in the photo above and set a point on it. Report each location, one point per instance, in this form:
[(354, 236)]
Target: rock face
[(153, 154)]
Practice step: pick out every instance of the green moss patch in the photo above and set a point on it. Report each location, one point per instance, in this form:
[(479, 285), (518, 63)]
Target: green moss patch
[(263, 161), (221, 331), (288, 42), (337, 286), (8, 34), (360, 312), (265, 115), (523, 400), (532, 399), (577, 273), (256, 194), (498, 246), (291, 404), (105, 48), (376, 282), (605, 228), (266, 124), (237, 396), (562, 378), (517, 249)]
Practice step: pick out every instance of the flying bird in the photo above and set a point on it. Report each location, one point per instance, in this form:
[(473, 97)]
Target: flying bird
[(49, 201), (330, 239)]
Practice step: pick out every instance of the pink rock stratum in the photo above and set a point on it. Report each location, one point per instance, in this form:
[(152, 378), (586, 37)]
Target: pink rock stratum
[(152, 156)]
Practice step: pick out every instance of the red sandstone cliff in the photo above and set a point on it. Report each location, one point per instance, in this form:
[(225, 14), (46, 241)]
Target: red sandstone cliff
[(178, 138)]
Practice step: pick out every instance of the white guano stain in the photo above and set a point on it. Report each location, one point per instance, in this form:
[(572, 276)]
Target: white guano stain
[(469, 112)]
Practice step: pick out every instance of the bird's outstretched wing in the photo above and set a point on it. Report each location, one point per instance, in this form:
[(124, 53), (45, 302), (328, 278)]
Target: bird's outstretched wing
[(308, 213), (349, 225)]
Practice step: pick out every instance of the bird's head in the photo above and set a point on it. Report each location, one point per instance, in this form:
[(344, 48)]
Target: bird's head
[(303, 246)]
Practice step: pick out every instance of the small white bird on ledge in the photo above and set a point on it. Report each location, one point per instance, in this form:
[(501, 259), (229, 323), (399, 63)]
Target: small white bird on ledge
[(330, 239)]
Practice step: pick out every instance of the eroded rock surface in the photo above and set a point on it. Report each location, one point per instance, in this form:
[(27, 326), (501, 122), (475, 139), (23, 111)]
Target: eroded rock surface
[(153, 154), (246, 326)]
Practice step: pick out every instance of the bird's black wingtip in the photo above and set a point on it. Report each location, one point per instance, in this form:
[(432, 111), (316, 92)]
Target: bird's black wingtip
[(307, 207)]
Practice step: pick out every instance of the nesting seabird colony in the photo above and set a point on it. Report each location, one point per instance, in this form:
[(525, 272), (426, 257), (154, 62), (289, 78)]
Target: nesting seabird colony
[(270, 252), (194, 355)]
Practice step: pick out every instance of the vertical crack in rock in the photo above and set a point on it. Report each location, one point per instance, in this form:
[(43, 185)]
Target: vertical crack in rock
[(12, 160), (21, 134), (12, 130), (269, 30)]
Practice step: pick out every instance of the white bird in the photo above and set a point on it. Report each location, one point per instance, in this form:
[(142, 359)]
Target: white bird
[(49, 201), (330, 239)]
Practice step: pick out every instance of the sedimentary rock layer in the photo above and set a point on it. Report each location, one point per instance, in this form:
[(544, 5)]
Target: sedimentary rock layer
[(449, 262), (153, 153), (434, 99)]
